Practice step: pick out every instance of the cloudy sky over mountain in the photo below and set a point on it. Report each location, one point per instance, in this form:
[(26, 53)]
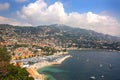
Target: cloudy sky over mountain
[(98, 15)]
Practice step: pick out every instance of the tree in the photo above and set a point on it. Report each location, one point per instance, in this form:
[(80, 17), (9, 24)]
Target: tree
[(4, 55), (8, 71), (4, 61)]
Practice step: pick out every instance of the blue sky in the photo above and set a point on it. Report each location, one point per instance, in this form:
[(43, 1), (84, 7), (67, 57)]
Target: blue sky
[(89, 14), (81, 6)]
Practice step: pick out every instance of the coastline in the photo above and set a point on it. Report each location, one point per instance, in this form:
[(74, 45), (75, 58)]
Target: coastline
[(111, 50), (33, 68)]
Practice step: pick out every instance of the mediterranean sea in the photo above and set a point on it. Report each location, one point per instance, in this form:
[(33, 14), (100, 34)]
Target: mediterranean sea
[(103, 65)]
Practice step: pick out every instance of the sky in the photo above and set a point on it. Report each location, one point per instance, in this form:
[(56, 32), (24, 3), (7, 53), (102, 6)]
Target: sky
[(99, 15)]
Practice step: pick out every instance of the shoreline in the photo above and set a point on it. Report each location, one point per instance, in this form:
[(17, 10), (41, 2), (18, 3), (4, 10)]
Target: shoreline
[(33, 69), (111, 50)]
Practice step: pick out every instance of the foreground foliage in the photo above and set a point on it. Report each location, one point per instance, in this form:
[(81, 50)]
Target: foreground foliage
[(8, 71)]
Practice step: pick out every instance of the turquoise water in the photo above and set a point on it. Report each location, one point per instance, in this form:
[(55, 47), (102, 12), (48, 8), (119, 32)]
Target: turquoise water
[(85, 64), (55, 70), (52, 70)]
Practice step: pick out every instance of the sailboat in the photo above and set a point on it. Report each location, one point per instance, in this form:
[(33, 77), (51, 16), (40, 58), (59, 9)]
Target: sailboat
[(110, 66)]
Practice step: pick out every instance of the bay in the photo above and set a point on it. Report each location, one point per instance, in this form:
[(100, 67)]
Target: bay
[(103, 65)]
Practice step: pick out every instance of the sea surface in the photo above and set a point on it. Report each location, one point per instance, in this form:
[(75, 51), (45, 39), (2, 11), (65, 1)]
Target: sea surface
[(103, 65)]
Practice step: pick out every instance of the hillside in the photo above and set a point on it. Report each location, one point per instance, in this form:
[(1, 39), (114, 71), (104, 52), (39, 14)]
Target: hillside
[(59, 35)]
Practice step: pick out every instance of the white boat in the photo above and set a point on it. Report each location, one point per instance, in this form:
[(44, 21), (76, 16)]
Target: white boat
[(102, 76), (93, 78), (110, 66), (87, 60), (101, 65)]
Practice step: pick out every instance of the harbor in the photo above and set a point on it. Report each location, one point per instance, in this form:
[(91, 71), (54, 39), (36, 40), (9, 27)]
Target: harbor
[(35, 63)]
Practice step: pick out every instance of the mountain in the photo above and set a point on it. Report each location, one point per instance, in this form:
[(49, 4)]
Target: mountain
[(79, 31), (59, 35)]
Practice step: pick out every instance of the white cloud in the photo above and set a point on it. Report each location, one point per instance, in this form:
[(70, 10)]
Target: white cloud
[(4, 20), (4, 6), (20, 1), (39, 12)]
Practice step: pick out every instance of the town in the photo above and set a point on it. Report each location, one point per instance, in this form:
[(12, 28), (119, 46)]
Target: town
[(36, 47)]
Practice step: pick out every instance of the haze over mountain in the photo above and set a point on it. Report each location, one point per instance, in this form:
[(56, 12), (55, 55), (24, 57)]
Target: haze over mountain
[(60, 35)]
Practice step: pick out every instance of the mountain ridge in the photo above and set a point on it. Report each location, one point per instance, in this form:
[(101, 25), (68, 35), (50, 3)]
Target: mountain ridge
[(60, 35)]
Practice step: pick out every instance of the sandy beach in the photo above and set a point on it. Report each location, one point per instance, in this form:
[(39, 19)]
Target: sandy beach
[(33, 73), (33, 68)]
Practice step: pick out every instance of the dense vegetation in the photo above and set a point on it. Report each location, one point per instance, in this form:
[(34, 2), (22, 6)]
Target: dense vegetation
[(8, 71)]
